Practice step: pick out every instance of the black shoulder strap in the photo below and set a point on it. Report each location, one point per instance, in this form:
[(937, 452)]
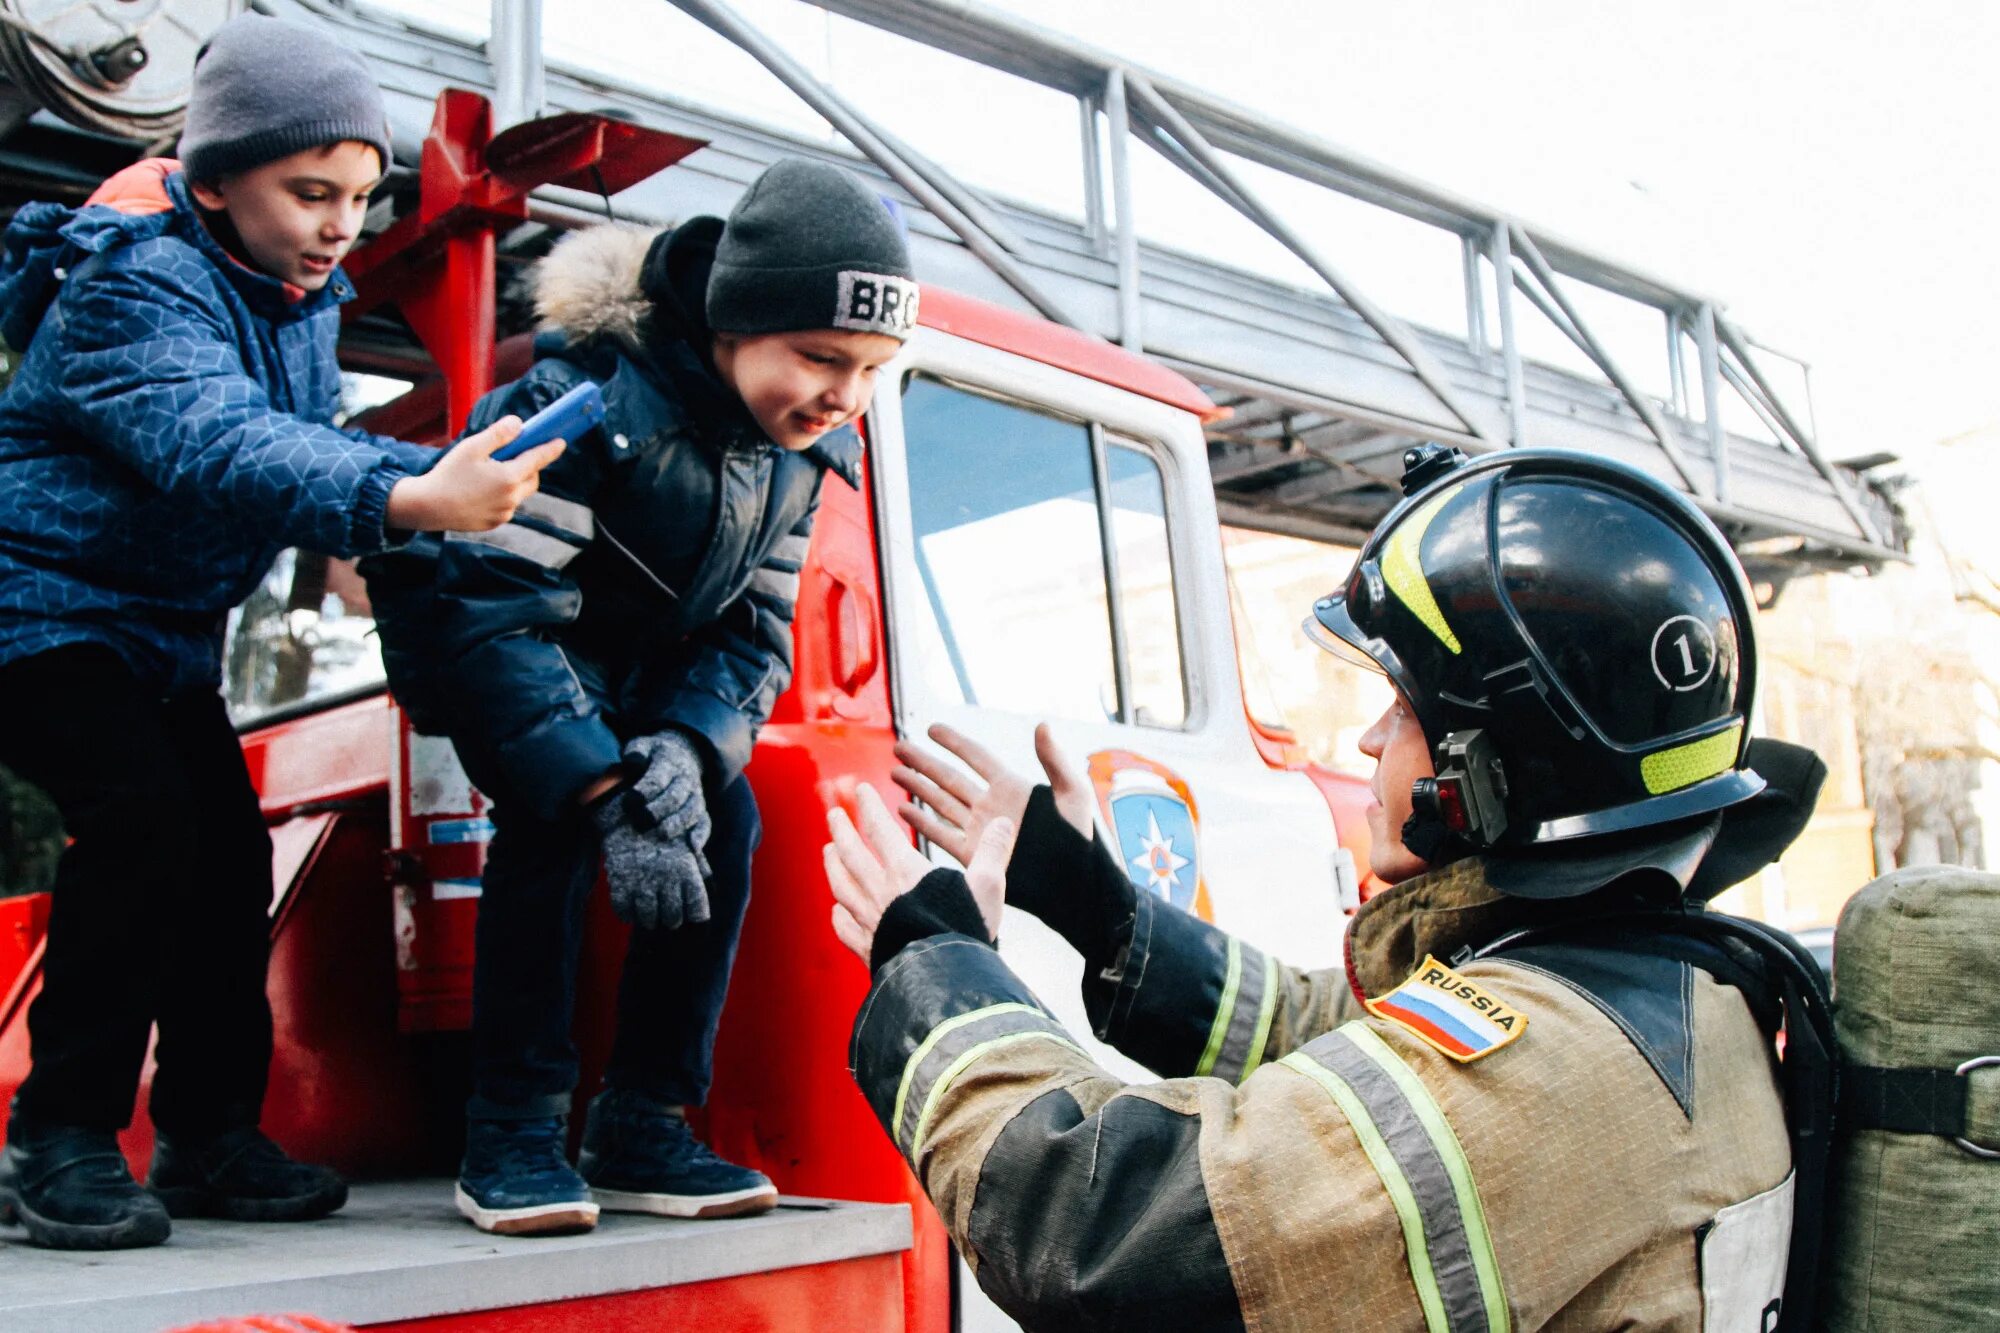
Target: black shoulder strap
[(1787, 992)]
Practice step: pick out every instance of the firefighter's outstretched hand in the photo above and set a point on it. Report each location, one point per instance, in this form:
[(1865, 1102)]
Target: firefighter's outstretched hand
[(871, 866), (469, 490), (957, 806)]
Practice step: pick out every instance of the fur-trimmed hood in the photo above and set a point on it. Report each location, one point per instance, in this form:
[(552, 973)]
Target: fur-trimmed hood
[(589, 286)]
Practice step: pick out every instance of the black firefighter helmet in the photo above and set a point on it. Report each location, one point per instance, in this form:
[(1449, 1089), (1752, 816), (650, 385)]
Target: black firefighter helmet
[(1575, 639)]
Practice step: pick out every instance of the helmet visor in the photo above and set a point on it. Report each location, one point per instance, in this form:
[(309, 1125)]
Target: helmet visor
[(1317, 632)]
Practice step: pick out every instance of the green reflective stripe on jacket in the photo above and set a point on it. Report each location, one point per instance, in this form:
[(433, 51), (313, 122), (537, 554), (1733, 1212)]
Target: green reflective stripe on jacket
[(1242, 1023), (1472, 1212), (942, 1051), (959, 1066), (1224, 1009), (1406, 1139), (1260, 1037)]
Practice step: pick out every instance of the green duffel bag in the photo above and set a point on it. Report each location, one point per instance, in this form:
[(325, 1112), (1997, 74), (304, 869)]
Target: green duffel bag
[(1915, 1231)]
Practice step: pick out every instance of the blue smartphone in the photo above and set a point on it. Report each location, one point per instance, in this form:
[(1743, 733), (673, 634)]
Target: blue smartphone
[(567, 418)]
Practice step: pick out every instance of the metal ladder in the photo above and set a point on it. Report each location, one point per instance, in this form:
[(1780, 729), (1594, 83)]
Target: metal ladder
[(1326, 387)]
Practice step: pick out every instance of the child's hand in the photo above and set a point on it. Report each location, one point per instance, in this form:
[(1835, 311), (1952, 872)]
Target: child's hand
[(469, 490)]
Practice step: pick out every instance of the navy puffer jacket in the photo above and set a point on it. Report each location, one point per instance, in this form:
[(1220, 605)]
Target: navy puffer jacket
[(167, 433), (649, 584)]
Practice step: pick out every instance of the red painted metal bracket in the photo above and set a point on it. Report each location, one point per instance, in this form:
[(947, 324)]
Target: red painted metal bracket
[(437, 264)]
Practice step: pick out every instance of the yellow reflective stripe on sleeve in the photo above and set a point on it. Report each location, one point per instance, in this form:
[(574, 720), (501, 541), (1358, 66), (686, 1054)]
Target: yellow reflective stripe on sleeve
[(1244, 1016), (1265, 1012), (1423, 1168), (1400, 1195), (958, 1066), (1685, 765), (1224, 1008), (1472, 1213), (930, 1042), (1403, 568)]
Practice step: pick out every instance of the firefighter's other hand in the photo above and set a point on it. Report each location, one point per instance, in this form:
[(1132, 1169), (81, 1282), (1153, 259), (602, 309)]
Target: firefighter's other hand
[(468, 490), (872, 866), (958, 806)]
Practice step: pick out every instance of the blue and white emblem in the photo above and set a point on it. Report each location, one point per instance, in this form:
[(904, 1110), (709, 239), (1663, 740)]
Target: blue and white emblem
[(1156, 837)]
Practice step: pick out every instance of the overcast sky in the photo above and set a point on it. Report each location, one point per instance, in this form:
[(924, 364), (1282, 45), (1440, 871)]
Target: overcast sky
[(1823, 169)]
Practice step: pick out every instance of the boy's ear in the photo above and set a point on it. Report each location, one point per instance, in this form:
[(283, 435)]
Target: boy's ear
[(207, 195)]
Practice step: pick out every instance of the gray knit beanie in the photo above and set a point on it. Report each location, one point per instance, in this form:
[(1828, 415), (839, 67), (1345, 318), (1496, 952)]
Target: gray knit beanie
[(264, 89), (811, 247)]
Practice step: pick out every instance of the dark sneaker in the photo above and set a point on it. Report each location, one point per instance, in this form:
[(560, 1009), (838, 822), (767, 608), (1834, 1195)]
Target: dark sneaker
[(515, 1180), (241, 1175), (72, 1190), (640, 1157)]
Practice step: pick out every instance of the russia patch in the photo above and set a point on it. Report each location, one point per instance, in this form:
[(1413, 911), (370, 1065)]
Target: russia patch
[(1451, 1014)]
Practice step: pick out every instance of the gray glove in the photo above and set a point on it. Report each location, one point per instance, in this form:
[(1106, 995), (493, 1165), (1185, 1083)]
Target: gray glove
[(652, 832), (668, 786)]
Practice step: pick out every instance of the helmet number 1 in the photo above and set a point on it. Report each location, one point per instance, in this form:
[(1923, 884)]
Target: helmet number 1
[(1683, 653)]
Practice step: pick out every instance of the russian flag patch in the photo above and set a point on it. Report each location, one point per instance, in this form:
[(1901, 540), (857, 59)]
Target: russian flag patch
[(1450, 1014)]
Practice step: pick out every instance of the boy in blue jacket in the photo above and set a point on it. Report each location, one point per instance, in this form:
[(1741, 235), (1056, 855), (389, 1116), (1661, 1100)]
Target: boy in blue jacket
[(168, 432), (602, 665)]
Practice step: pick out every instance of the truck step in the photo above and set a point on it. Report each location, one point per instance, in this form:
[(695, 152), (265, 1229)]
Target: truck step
[(399, 1251)]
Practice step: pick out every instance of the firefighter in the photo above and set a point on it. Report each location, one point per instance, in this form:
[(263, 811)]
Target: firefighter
[(603, 663), (1542, 1091)]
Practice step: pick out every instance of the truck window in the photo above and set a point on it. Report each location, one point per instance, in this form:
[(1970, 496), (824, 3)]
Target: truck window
[(1025, 523), (305, 636), (1145, 581)]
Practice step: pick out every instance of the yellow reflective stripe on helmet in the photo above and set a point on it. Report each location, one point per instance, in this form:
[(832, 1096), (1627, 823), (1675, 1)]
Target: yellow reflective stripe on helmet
[(1685, 765), (1403, 569)]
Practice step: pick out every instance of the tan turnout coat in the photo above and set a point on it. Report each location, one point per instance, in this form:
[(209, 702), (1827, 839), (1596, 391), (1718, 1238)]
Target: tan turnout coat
[(1310, 1164)]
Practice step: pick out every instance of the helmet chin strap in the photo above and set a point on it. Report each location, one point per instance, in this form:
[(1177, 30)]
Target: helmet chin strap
[(1426, 838)]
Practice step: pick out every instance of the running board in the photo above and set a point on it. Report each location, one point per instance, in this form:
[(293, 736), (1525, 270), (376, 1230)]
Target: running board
[(400, 1251)]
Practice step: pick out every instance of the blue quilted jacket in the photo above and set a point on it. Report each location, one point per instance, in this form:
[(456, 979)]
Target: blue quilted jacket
[(168, 432)]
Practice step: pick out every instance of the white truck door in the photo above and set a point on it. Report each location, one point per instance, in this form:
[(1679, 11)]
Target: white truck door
[(1050, 551)]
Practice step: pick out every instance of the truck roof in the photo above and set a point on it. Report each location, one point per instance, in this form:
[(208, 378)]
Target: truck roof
[(1053, 344)]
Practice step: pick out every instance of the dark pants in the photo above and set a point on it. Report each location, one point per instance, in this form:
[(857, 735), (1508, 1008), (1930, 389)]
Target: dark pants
[(161, 908), (539, 875)]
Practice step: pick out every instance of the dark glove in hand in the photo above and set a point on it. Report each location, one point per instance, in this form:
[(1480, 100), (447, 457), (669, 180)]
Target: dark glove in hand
[(653, 831), (1076, 886), (666, 791), (940, 904)]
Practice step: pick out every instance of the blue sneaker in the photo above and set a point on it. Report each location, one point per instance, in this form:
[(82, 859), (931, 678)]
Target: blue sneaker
[(640, 1157), (515, 1180)]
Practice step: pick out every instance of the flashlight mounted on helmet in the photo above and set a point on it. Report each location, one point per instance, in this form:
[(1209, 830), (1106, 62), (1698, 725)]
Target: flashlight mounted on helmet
[(1468, 794)]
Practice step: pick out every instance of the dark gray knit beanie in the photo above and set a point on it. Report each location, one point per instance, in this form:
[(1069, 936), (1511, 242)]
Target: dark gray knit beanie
[(811, 247), (264, 89)]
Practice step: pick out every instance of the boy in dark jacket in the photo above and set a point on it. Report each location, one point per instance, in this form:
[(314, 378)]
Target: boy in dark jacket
[(603, 663), (168, 432)]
